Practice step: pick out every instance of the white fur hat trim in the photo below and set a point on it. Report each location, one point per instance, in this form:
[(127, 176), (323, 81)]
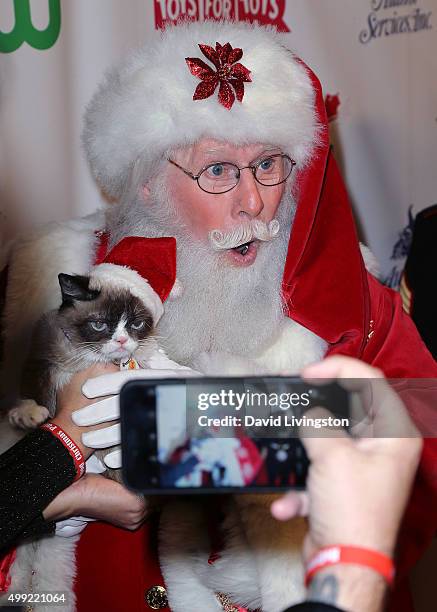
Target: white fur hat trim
[(122, 277), (144, 108)]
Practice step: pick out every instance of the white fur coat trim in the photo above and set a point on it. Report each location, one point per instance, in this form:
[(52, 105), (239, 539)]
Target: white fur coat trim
[(46, 565)]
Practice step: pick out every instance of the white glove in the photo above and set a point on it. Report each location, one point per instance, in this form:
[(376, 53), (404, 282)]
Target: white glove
[(109, 409), (76, 524), (72, 526)]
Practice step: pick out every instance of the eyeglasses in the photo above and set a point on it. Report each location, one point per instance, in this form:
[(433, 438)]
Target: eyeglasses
[(221, 177)]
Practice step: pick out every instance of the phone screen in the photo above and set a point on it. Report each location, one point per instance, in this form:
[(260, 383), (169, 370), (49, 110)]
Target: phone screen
[(219, 435)]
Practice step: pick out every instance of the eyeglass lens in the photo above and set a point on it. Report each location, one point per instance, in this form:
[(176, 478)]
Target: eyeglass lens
[(224, 176)]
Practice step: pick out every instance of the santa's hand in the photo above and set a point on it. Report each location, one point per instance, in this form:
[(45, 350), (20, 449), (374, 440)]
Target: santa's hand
[(108, 409), (101, 412), (110, 384)]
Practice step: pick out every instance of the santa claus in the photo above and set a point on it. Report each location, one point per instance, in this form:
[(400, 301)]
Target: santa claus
[(223, 145)]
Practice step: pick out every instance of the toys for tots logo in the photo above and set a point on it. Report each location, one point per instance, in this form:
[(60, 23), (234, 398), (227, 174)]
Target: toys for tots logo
[(265, 12)]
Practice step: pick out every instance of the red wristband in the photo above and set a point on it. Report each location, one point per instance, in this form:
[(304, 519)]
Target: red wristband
[(332, 555), (70, 445)]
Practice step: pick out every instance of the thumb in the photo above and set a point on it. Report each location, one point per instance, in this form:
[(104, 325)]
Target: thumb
[(321, 433)]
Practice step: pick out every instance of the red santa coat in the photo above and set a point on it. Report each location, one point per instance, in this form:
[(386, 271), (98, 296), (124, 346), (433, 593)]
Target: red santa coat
[(328, 291)]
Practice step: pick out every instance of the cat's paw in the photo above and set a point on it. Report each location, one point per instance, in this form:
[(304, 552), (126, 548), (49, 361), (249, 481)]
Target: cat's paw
[(28, 415)]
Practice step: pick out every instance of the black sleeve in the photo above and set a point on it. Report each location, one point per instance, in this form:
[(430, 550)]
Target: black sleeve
[(313, 606), (32, 473)]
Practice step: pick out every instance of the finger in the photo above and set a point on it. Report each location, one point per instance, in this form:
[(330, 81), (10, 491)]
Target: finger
[(339, 366), (350, 374), (110, 384), (389, 416), (94, 465), (69, 532), (291, 505), (102, 438), (99, 412), (113, 460), (73, 521), (319, 437), (74, 528)]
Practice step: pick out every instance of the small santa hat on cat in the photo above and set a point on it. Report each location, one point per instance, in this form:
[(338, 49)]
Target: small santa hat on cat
[(146, 267)]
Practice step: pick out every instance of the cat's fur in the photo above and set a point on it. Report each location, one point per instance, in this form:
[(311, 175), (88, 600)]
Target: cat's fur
[(64, 343)]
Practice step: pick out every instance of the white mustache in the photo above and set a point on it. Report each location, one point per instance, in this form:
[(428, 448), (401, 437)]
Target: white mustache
[(221, 240)]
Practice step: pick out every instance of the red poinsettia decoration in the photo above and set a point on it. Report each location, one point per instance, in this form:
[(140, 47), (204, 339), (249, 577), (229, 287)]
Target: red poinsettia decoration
[(229, 73)]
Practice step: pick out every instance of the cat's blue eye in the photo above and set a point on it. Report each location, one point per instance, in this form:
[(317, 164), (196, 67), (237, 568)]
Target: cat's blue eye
[(138, 325), (98, 326)]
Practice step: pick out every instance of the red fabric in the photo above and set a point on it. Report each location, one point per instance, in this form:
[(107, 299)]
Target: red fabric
[(328, 291), (5, 565), (153, 258), (116, 568)]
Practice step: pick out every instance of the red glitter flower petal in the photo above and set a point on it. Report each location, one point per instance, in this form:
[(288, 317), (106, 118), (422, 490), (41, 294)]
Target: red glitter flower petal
[(229, 74), (235, 55), (239, 88), (199, 69), (205, 89), (241, 72), (210, 54), (224, 52), (226, 95)]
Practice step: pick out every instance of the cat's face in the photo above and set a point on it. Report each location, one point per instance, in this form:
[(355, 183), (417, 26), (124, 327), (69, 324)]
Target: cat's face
[(110, 324)]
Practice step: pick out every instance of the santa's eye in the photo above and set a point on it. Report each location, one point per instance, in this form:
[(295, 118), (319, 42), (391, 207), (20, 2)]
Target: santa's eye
[(266, 164), (98, 326), (138, 325), (216, 171)]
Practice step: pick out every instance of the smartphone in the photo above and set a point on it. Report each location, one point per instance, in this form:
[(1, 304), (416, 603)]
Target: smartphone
[(221, 435)]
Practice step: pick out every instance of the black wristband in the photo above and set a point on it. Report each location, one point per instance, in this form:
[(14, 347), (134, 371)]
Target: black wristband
[(32, 473)]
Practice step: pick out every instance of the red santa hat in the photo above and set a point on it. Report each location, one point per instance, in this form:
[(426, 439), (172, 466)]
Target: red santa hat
[(228, 81), (146, 267)]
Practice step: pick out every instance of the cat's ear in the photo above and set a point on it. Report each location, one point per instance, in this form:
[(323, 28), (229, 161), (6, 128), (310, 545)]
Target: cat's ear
[(75, 287)]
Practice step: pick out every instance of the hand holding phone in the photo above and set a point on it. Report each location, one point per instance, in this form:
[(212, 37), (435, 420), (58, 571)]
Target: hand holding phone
[(221, 435)]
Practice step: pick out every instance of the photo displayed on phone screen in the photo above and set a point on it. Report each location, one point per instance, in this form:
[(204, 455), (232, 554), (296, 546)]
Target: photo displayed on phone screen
[(217, 434), (210, 460)]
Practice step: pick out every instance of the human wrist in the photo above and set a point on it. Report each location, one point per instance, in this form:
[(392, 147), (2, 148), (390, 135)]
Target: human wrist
[(351, 588), (74, 432), (69, 502), (69, 445), (60, 508)]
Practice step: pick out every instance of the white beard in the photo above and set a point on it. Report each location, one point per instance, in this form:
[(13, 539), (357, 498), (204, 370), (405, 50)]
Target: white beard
[(227, 321), (222, 307)]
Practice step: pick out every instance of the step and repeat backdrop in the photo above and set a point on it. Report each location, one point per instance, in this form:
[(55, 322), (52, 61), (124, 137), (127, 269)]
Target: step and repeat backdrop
[(377, 61)]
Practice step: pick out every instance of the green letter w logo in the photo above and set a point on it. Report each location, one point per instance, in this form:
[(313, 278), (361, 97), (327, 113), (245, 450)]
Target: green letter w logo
[(24, 31)]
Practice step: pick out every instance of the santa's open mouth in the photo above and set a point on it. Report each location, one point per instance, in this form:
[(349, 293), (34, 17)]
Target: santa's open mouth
[(244, 254), (243, 249)]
